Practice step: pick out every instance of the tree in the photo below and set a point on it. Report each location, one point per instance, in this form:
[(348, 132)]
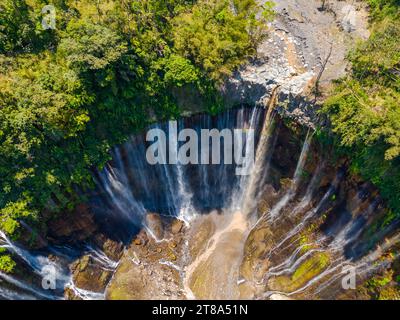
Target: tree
[(68, 95), (364, 108), (219, 36)]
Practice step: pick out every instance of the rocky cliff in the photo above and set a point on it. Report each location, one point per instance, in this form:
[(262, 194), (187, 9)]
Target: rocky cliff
[(305, 50)]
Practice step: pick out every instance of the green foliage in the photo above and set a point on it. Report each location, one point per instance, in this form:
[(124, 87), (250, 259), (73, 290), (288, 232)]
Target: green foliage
[(383, 287), (17, 30), (179, 71), (209, 34), (67, 95), (88, 46), (364, 109), (381, 9), (378, 281), (7, 264), (20, 27), (14, 211)]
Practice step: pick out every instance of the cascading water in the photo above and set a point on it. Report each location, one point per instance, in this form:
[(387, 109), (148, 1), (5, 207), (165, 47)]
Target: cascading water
[(211, 198), (175, 189), (38, 266), (249, 186), (292, 190)]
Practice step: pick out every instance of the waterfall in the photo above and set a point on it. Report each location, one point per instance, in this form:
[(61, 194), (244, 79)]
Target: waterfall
[(251, 184), (296, 178), (39, 265), (311, 213), (128, 188)]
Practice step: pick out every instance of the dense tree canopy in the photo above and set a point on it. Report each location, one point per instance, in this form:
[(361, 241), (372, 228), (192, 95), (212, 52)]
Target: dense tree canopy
[(68, 94), (365, 108)]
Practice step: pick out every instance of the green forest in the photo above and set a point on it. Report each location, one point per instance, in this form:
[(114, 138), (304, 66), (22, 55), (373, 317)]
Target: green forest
[(68, 94), (364, 108), (109, 68)]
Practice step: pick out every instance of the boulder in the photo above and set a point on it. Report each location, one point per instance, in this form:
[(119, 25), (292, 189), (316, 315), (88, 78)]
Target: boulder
[(90, 275), (176, 226), (278, 296), (154, 224), (111, 248), (69, 294)]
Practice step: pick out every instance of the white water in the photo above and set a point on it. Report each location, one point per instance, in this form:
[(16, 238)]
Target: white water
[(129, 188), (43, 267), (272, 215)]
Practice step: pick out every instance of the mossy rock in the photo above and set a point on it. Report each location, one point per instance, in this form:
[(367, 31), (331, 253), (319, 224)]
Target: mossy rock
[(306, 271), (89, 275), (390, 293), (257, 244)]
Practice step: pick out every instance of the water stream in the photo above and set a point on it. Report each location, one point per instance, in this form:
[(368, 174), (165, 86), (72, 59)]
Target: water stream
[(128, 188)]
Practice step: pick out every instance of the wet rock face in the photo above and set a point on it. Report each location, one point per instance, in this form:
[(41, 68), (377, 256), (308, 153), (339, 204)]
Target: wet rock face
[(148, 268), (92, 272), (177, 226), (89, 275), (301, 253), (72, 227), (155, 225), (31, 239), (112, 249)]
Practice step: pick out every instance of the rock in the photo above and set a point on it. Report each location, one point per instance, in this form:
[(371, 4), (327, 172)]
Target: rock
[(277, 296), (154, 224), (70, 295), (141, 275), (326, 180), (172, 245), (177, 226), (31, 238), (141, 239), (111, 248), (172, 256), (258, 243), (89, 275), (74, 226), (298, 40)]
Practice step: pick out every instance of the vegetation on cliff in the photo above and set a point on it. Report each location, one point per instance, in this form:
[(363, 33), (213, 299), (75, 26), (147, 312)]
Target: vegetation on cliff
[(364, 109), (68, 94), (7, 264)]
